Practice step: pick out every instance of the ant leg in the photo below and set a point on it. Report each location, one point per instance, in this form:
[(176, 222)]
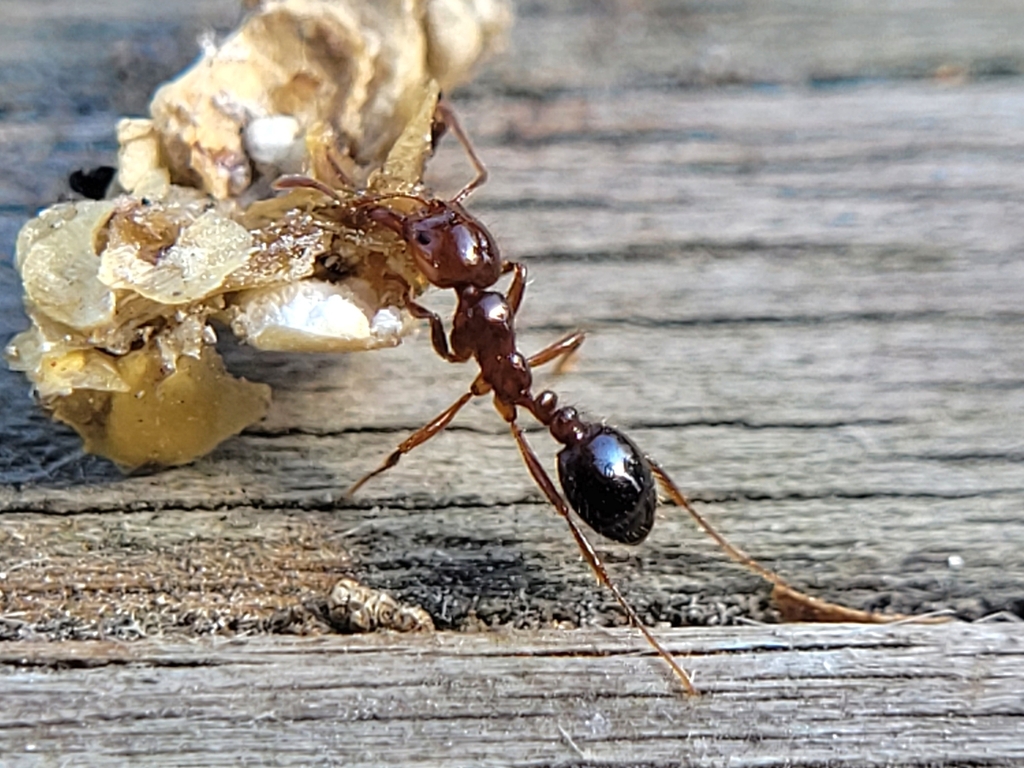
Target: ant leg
[(561, 350), (564, 346), (543, 481), (420, 436), (450, 119), (797, 605), (339, 172), (734, 552), (438, 338), (514, 294)]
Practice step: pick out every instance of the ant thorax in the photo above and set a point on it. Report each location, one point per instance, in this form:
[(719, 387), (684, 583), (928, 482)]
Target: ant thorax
[(483, 329)]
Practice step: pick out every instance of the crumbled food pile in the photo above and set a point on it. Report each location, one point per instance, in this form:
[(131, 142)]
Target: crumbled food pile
[(122, 292)]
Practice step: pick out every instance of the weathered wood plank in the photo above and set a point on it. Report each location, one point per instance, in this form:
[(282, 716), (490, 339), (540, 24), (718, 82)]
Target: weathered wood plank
[(899, 458), (886, 307), (801, 696), (874, 321), (568, 46), (802, 290)]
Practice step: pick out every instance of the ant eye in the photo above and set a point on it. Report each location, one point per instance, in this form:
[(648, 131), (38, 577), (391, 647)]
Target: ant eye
[(423, 238)]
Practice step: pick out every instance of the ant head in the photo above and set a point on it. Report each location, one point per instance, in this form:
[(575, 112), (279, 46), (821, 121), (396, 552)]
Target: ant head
[(450, 247)]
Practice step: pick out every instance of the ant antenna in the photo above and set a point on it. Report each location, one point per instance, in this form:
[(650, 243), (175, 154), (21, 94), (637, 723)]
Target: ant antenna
[(451, 120), (369, 200), (296, 181)]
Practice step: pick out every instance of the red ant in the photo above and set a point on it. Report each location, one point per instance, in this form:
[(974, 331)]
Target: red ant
[(607, 480)]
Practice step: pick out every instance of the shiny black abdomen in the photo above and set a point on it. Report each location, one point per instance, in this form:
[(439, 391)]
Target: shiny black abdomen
[(608, 482)]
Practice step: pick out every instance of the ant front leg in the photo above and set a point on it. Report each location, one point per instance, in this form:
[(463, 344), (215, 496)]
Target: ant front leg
[(438, 337), (332, 160), (447, 117)]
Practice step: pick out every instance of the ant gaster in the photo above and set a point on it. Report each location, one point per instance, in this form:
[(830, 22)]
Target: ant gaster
[(608, 481)]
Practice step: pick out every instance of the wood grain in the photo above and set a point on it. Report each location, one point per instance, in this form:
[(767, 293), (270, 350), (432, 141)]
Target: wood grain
[(775, 696), (792, 234)]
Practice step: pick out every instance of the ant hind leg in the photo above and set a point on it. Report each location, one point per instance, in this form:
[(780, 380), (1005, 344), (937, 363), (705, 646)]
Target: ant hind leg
[(547, 486), (795, 605)]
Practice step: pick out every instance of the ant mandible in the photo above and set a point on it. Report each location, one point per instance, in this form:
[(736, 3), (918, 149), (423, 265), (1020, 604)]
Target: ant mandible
[(607, 480)]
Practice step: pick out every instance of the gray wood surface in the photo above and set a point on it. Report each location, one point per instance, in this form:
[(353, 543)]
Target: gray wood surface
[(784, 695), (793, 234)]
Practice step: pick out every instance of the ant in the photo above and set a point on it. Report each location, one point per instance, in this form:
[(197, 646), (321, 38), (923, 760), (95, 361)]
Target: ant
[(608, 482)]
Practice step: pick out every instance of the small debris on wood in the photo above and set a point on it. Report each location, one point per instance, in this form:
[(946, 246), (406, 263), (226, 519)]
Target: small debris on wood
[(353, 607)]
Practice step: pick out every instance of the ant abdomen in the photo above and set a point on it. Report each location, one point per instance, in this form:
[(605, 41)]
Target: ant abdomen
[(608, 482)]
